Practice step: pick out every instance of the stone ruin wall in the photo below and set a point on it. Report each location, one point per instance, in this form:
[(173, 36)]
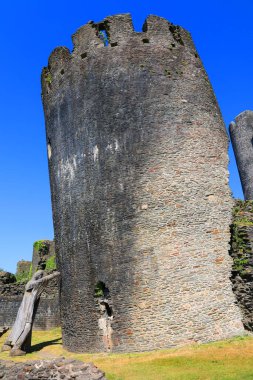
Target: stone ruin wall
[(23, 268), (40, 256), (241, 251), (141, 204), (47, 315), (11, 294), (241, 133), (60, 368)]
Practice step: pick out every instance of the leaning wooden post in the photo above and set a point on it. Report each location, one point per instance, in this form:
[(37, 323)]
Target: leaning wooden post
[(19, 340)]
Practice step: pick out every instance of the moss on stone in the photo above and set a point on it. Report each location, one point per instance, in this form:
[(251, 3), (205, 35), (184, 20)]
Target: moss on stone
[(50, 264), (41, 246), (99, 289), (240, 244), (48, 78)]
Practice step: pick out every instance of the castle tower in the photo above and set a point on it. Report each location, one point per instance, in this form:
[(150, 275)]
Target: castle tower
[(241, 133), (138, 161)]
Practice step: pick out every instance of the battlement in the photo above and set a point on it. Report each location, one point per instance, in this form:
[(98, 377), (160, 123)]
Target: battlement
[(115, 32)]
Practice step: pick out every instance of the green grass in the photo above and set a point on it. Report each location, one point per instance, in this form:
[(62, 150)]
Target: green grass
[(226, 360)]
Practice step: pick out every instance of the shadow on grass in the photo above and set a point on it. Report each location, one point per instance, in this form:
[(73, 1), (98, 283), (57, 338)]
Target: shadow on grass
[(39, 346)]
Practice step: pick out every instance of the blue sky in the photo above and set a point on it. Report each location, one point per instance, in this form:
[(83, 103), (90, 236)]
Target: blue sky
[(30, 30)]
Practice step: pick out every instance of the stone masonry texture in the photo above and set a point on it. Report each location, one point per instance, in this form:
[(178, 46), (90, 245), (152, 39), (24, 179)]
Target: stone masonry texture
[(23, 267), (41, 254), (48, 312), (137, 153), (241, 133), (11, 292), (242, 253), (65, 369)]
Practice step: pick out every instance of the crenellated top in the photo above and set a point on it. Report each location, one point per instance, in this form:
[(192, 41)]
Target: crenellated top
[(119, 28), (87, 38), (112, 32), (58, 57)]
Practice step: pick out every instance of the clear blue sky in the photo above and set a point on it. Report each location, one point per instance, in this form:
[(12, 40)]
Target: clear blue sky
[(30, 30)]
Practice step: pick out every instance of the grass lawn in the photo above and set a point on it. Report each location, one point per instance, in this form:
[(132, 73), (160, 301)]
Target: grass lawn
[(226, 360)]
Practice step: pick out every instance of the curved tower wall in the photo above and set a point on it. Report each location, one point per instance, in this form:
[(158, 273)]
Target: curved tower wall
[(241, 133), (141, 203)]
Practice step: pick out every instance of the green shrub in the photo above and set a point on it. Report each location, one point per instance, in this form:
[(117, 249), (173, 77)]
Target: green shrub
[(50, 264), (41, 246), (240, 244), (99, 289)]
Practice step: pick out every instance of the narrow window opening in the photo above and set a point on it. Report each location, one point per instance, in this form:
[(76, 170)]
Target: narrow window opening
[(103, 36), (101, 290), (62, 71), (176, 33), (252, 141), (84, 55), (102, 31), (114, 44), (145, 40)]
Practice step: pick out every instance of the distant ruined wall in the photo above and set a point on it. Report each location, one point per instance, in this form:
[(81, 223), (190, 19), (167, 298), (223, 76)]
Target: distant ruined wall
[(241, 133), (48, 312), (242, 253), (11, 292), (23, 267), (42, 251), (138, 161)]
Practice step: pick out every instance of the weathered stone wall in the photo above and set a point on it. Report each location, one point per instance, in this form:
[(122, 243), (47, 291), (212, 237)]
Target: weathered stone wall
[(141, 205), (242, 254), (48, 312), (42, 251), (60, 368), (24, 271), (11, 292), (23, 267), (241, 133)]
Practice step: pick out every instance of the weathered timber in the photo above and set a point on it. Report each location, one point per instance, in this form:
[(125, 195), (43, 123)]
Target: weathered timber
[(19, 340)]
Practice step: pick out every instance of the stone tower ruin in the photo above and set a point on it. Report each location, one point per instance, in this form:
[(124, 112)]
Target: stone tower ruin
[(241, 133), (137, 153)]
